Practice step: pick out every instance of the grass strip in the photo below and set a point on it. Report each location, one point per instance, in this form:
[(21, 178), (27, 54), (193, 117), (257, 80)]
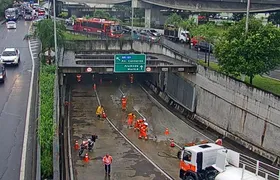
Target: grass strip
[(73, 37), (46, 128), (260, 82)]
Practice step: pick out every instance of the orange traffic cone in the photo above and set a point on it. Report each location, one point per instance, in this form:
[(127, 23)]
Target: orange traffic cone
[(104, 115), (172, 144), (94, 87), (86, 158), (76, 146), (166, 132)]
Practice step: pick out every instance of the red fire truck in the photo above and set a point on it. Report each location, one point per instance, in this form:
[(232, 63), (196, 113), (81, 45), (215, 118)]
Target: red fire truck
[(95, 25)]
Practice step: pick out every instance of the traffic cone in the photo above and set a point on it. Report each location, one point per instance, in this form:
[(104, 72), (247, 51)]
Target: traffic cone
[(94, 86), (76, 146), (172, 144), (86, 158), (166, 132)]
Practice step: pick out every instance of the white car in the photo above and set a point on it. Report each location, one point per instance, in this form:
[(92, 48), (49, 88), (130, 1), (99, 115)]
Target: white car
[(10, 56), (11, 25)]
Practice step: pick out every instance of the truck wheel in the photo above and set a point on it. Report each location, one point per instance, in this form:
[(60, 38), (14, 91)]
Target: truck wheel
[(189, 177), (210, 175)]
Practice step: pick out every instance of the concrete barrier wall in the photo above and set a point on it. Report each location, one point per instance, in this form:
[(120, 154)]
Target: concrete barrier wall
[(239, 111)]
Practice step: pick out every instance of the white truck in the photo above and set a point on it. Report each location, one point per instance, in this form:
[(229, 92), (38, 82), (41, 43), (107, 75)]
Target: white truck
[(176, 34), (213, 162)]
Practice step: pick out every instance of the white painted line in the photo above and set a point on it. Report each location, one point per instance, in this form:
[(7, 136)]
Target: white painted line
[(140, 113), (27, 120), (69, 141), (135, 147), (121, 91), (173, 114)]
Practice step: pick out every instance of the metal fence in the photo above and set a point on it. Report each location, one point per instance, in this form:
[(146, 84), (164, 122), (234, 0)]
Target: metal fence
[(181, 91)]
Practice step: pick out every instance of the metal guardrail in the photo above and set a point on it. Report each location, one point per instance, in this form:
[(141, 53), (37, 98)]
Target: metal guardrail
[(258, 168)]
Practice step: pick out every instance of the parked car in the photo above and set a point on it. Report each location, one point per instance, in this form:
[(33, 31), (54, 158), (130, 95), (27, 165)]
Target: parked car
[(2, 73), (204, 46), (10, 56), (153, 32), (11, 25)]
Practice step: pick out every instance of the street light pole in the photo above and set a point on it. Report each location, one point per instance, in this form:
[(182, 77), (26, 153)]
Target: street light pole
[(247, 16), (132, 19), (55, 37)]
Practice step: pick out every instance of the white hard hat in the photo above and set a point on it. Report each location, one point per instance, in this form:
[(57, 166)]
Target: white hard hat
[(146, 124), (144, 119)]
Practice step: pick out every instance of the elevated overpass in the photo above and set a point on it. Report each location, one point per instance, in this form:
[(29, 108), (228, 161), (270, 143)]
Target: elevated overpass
[(194, 5), (98, 55)]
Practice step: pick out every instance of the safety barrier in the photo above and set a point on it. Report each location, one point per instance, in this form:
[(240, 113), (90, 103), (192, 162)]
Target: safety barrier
[(258, 168)]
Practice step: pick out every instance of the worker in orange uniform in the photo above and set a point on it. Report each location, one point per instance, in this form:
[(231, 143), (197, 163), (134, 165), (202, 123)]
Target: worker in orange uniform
[(79, 77), (219, 141), (130, 119), (124, 101), (138, 123), (107, 160), (131, 78), (143, 131)]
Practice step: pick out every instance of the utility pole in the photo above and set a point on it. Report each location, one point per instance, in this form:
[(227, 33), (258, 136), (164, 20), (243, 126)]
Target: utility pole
[(247, 16), (55, 37), (132, 19)]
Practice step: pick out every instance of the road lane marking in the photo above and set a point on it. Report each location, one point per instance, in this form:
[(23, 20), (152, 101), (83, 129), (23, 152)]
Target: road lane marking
[(134, 146), (69, 139), (27, 119)]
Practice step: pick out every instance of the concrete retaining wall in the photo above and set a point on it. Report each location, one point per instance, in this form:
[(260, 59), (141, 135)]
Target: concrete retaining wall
[(239, 111)]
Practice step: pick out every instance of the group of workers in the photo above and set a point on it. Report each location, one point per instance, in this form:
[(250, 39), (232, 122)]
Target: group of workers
[(139, 125)]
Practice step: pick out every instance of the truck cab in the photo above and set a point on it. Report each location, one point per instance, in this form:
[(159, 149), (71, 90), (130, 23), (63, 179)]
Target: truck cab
[(210, 161)]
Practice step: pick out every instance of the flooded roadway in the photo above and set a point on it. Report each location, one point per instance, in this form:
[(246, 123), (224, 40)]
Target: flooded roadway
[(128, 162)]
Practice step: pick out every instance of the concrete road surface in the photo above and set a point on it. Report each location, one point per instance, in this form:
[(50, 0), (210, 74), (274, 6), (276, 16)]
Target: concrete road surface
[(13, 103), (127, 162)]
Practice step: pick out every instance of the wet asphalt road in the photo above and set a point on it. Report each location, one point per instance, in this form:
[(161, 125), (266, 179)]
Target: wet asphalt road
[(127, 162), (13, 102)]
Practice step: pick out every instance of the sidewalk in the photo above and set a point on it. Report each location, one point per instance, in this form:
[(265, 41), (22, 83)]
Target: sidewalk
[(127, 162)]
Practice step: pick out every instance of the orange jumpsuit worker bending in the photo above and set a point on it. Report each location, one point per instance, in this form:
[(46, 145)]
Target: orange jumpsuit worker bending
[(143, 131), (124, 100), (130, 119), (138, 123)]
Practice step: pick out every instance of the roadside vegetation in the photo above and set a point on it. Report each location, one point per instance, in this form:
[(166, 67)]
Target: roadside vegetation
[(44, 31), (69, 36), (4, 4), (46, 128)]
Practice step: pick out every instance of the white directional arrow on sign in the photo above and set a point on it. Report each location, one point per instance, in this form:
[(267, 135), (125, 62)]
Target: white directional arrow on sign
[(141, 67)]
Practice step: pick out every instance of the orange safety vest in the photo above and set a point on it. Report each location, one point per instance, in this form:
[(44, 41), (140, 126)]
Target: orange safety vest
[(107, 160)]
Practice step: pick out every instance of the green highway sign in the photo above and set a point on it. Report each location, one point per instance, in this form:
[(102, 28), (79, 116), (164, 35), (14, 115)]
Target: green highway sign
[(129, 63)]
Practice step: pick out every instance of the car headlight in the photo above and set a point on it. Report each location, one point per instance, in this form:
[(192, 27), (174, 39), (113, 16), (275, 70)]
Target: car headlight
[(1, 76)]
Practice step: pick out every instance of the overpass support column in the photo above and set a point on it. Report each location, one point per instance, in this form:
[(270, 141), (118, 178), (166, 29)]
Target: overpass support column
[(148, 16)]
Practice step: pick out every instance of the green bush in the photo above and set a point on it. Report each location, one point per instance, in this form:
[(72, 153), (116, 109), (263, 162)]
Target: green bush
[(46, 128)]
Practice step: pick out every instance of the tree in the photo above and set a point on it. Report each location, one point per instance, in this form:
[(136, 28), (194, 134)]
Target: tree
[(256, 52), (101, 14), (208, 31), (44, 31), (174, 19), (238, 16), (188, 24), (274, 17), (4, 4)]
